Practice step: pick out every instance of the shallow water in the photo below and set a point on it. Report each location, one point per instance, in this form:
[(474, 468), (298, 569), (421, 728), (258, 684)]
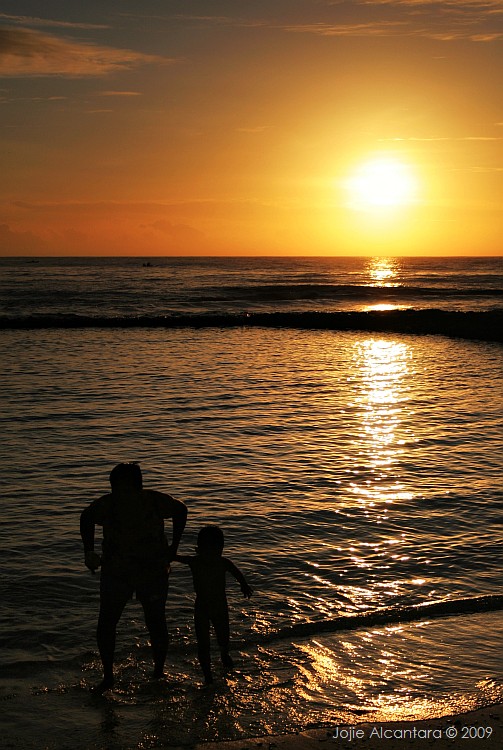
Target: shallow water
[(352, 474)]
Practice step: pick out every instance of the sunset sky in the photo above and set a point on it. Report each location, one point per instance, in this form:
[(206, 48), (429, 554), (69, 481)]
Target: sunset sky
[(258, 127)]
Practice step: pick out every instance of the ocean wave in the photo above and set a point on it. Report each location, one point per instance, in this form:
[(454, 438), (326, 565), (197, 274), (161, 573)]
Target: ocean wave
[(309, 291), (483, 326), (384, 617)]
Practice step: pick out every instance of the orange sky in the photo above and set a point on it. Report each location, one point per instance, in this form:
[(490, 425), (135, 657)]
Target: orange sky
[(189, 128)]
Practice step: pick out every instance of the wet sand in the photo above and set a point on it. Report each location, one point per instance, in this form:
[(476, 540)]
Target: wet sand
[(449, 732)]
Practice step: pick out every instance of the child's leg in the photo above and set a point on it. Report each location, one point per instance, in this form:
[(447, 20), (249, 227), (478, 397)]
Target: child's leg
[(220, 620), (202, 626)]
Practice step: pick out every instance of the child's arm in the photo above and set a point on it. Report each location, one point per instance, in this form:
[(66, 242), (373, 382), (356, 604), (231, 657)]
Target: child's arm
[(231, 568), (183, 559)]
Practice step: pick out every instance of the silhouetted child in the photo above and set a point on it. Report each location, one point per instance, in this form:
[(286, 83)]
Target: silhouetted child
[(208, 572)]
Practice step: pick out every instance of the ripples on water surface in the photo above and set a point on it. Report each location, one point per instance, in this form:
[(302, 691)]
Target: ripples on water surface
[(350, 473), (124, 287)]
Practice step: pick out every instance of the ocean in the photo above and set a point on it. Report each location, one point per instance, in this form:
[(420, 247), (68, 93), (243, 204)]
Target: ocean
[(339, 418)]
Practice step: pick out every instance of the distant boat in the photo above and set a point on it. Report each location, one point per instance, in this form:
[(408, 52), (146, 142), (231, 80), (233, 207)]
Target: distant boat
[(147, 265)]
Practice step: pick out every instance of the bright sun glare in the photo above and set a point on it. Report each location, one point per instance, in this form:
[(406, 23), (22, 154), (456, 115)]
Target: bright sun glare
[(381, 184)]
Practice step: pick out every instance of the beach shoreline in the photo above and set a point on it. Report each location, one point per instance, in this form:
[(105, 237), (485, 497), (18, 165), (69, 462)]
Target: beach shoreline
[(481, 729)]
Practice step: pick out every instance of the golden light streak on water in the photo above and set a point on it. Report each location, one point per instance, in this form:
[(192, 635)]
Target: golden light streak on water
[(326, 670), (382, 368), (383, 271), (382, 307)]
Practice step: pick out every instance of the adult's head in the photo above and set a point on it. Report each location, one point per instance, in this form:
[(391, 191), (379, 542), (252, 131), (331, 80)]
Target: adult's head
[(126, 476), (210, 539)]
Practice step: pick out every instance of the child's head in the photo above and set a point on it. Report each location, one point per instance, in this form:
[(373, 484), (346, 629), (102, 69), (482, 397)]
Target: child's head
[(210, 539)]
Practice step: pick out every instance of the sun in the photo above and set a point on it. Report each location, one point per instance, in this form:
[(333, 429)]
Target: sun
[(381, 184)]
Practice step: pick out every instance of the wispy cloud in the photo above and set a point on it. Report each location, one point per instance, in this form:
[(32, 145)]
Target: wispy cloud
[(119, 93), (223, 20), (445, 138), (378, 28), (178, 232), (441, 20), (458, 4), (123, 207), (25, 52), (447, 20), (253, 129), (19, 242), (49, 22)]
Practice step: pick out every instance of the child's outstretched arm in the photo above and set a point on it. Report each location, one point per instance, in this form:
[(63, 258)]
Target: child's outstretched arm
[(182, 558), (245, 588)]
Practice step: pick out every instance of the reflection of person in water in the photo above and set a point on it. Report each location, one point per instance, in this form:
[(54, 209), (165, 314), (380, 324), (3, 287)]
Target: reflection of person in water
[(208, 572), (136, 557)]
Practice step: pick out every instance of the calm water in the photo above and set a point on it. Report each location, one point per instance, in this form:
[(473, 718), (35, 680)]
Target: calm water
[(355, 476)]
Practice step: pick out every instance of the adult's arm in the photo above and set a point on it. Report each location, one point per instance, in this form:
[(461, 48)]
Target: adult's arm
[(87, 525), (177, 511)]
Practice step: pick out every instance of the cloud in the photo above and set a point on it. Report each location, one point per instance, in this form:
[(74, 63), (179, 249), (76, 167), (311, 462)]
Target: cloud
[(20, 243), (253, 129), (444, 20), (35, 21), (222, 21), (448, 138), (458, 4), (25, 52), (440, 20), (379, 28), (124, 207), (177, 232), (119, 93)]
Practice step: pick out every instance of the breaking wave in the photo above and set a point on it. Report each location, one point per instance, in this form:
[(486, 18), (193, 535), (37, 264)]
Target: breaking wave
[(484, 326), (383, 617)]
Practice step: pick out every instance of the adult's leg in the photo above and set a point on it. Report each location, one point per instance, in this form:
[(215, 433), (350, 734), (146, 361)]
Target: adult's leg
[(202, 626), (111, 609), (155, 620), (152, 591)]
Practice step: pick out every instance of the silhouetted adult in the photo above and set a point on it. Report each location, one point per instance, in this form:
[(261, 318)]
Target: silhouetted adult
[(136, 557)]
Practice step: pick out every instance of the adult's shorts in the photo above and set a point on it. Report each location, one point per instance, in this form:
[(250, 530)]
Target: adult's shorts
[(121, 580)]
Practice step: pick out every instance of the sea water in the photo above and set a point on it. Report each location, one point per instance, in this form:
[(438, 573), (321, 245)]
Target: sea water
[(356, 475)]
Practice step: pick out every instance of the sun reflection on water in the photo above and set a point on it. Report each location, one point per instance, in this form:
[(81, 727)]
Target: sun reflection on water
[(388, 673), (373, 669), (382, 368), (383, 307), (383, 271)]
